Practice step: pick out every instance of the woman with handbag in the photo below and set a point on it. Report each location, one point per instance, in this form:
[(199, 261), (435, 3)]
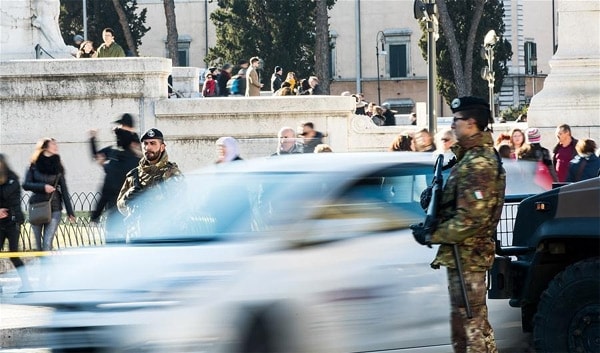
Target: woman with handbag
[(45, 177), (11, 218)]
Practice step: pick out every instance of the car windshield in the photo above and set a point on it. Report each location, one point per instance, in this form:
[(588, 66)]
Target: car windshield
[(221, 206)]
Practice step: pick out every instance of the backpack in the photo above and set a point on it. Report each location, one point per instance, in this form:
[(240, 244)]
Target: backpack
[(234, 84)]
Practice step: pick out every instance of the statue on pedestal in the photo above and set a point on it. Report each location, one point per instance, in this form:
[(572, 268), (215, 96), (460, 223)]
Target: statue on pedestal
[(30, 28)]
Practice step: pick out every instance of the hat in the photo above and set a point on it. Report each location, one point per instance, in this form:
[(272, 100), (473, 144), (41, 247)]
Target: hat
[(77, 38), (126, 119), (152, 134), (533, 135), (277, 68), (467, 103)]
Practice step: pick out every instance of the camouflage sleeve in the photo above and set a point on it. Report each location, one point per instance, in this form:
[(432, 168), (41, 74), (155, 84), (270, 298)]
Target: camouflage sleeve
[(173, 172), (125, 195), (475, 196)]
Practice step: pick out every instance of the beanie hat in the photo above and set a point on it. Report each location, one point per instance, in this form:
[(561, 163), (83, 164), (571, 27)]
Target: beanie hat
[(534, 135)]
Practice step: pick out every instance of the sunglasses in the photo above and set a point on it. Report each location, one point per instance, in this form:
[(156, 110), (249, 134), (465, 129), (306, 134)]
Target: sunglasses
[(445, 139)]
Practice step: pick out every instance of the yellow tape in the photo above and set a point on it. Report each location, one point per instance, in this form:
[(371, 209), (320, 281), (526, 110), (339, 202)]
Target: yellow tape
[(24, 254)]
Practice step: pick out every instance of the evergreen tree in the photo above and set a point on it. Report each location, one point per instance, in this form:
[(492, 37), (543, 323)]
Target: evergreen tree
[(281, 33), (101, 14), (469, 21)]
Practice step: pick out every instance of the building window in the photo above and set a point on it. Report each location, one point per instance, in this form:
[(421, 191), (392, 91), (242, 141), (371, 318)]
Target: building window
[(398, 61), (398, 45), (530, 58), (183, 50)]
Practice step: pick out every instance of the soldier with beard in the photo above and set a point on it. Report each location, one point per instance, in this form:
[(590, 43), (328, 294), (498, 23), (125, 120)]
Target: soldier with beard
[(153, 169)]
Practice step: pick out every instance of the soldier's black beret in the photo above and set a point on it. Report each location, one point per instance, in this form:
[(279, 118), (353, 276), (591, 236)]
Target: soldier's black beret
[(152, 134), (467, 103)]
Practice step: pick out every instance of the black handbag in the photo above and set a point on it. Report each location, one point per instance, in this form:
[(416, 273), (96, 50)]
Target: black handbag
[(41, 212)]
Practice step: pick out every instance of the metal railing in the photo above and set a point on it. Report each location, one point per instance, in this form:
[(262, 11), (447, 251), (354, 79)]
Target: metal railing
[(86, 233), (81, 233)]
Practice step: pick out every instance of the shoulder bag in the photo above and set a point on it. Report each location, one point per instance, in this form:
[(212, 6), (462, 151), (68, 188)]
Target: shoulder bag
[(41, 212)]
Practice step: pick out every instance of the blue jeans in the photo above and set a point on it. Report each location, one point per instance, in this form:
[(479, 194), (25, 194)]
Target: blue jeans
[(46, 232)]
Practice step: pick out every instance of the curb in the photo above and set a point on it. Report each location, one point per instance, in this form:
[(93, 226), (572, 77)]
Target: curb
[(25, 337)]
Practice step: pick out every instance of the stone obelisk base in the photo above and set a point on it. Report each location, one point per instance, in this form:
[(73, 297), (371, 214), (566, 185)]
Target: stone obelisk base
[(571, 91)]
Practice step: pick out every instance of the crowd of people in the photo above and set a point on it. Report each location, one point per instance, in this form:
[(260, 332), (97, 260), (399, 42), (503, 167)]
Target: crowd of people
[(247, 82), (135, 164), (571, 160)]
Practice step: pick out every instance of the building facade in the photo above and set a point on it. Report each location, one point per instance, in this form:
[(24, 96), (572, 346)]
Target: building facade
[(375, 47)]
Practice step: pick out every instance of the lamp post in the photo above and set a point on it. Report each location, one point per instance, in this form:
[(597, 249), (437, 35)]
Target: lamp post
[(85, 34), (426, 11), (533, 62), (379, 38), (489, 42)]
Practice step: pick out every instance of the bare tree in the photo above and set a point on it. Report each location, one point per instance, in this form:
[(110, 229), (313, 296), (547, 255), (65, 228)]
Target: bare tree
[(125, 25), (463, 75), (172, 35), (322, 50)]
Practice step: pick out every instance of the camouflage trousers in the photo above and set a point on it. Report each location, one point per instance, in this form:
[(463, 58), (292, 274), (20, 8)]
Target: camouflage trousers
[(473, 335)]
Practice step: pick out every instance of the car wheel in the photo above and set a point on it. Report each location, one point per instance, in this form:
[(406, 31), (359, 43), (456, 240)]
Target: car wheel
[(258, 337), (568, 316), (271, 329)]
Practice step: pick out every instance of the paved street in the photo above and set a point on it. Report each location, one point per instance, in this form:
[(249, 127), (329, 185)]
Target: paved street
[(17, 322)]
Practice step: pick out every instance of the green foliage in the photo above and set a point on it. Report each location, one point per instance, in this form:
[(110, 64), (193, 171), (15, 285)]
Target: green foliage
[(101, 14), (461, 12), (512, 113), (281, 33)]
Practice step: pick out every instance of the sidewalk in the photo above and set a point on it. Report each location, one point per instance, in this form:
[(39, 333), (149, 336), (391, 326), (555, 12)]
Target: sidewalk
[(19, 323)]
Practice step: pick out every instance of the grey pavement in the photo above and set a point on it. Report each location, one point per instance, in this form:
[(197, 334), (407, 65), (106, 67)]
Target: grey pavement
[(18, 323)]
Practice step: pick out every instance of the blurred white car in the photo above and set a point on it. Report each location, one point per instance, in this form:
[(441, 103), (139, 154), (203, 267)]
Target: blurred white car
[(302, 253)]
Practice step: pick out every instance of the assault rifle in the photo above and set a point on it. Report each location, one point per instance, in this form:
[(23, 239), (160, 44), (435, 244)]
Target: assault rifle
[(431, 199)]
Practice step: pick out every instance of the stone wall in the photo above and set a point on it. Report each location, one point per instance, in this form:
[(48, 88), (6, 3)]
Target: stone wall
[(64, 99)]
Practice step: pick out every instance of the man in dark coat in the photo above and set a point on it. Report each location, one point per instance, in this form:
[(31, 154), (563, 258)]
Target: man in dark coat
[(116, 161)]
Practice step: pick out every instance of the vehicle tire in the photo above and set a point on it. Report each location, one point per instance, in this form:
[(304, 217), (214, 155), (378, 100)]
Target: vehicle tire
[(568, 315), (257, 338), (271, 329)]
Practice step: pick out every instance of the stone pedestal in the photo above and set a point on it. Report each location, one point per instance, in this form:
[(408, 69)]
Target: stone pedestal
[(571, 92)]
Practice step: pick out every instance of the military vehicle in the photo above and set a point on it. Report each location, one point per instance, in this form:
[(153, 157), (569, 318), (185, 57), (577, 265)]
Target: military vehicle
[(552, 268)]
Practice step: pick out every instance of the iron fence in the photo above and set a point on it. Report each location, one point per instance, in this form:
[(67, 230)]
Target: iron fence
[(86, 233), (81, 233)]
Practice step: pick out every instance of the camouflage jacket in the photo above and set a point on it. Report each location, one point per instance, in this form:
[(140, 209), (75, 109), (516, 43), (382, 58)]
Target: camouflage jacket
[(471, 205), (144, 177)]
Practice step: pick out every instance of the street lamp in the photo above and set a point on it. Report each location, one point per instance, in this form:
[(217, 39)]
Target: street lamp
[(379, 38), (426, 11), (489, 42)]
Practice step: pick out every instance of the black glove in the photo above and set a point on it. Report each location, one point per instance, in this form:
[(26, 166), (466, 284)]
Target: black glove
[(426, 198), (422, 236)]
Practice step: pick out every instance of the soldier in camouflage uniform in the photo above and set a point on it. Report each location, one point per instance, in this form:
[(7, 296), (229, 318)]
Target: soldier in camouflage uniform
[(469, 211), (153, 169)]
